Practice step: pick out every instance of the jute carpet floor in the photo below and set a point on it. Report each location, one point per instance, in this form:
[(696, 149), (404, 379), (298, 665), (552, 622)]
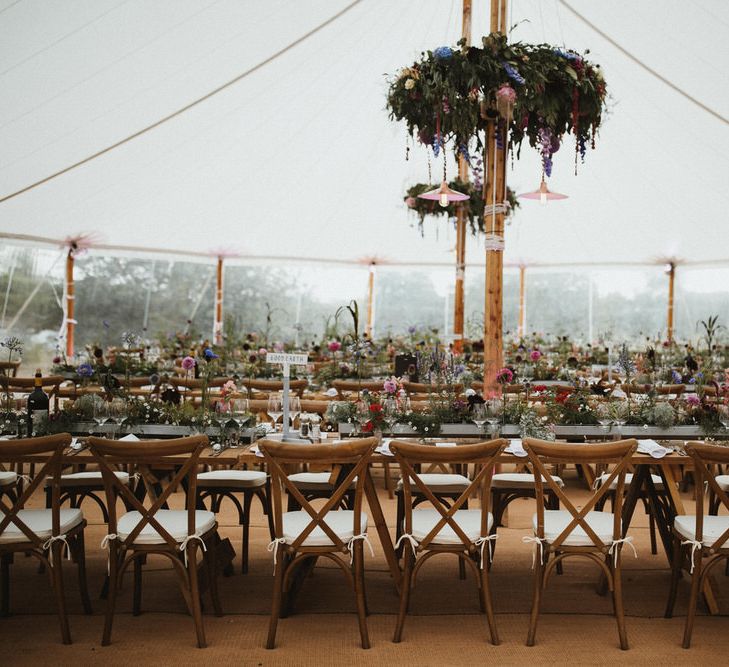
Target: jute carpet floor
[(444, 626)]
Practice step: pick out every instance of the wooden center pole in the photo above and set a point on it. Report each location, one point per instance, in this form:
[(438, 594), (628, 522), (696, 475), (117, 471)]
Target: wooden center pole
[(494, 194), (369, 330), (669, 319), (218, 321), (459, 294), (522, 301), (70, 299)]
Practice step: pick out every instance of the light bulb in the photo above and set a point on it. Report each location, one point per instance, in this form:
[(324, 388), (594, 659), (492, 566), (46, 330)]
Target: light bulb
[(443, 201)]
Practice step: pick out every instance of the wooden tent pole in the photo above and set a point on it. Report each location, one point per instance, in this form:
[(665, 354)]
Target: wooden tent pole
[(494, 194), (459, 295), (218, 321), (671, 281), (70, 298), (522, 301), (370, 301)]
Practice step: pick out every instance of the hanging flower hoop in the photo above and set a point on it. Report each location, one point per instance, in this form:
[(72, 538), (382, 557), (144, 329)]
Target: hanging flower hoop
[(537, 92)]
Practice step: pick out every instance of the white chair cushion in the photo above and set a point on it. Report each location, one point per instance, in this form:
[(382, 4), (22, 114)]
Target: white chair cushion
[(92, 478), (173, 521), (721, 480), (340, 521), (244, 479), (314, 481), (8, 478), (424, 520), (656, 479), (714, 527), (555, 521), (439, 482), (40, 522), (518, 480)]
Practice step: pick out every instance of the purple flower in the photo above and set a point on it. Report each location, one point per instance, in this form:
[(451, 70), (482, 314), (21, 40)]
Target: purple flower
[(693, 400), (209, 354), (443, 53), (188, 363), (513, 74), (676, 377), (412, 329), (85, 370), (390, 386)]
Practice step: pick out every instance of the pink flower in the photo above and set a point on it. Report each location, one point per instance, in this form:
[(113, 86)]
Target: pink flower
[(535, 355), (228, 388), (506, 93), (278, 346), (693, 400), (262, 351), (410, 202), (334, 346), (188, 363), (504, 376), (390, 386)]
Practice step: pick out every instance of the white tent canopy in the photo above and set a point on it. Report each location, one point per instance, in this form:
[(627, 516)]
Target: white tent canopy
[(299, 159)]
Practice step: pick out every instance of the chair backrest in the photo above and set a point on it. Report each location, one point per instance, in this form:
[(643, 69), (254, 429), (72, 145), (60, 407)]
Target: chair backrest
[(347, 386), (618, 453), (408, 454), (354, 454), (705, 457), (9, 368), (49, 450), (420, 388), (50, 383), (298, 386), (182, 452)]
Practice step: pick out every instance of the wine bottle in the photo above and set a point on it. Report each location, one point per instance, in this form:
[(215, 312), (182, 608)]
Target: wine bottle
[(38, 403)]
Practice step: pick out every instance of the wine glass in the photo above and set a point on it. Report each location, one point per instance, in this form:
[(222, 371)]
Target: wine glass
[(479, 415), (389, 412), (274, 409), (294, 408), (117, 413), (239, 409), (605, 424), (101, 412)]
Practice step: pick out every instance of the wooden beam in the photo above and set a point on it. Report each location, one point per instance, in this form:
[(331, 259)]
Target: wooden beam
[(70, 303), (522, 301), (459, 293), (671, 281), (218, 321), (370, 302)]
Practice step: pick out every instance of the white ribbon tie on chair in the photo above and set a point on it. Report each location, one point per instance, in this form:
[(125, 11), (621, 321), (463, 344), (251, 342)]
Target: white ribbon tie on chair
[(482, 542), (408, 538), (695, 544), (538, 543), (186, 541), (273, 546), (613, 550), (350, 545), (58, 538), (105, 545)]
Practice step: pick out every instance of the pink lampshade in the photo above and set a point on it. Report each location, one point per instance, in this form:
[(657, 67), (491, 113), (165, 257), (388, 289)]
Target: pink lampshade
[(542, 194), (444, 195)]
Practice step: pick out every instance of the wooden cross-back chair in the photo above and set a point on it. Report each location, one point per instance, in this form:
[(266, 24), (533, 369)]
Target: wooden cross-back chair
[(43, 533), (25, 385), (441, 529), (9, 368), (296, 386), (309, 533), (345, 387), (579, 532), (175, 534), (700, 541), (421, 388)]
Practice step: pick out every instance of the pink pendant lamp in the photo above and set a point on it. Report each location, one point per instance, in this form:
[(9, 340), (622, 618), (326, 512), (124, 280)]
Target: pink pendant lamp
[(444, 195), (543, 194)]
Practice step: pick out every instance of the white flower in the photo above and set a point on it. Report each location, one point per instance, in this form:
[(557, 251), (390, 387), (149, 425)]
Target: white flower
[(410, 84)]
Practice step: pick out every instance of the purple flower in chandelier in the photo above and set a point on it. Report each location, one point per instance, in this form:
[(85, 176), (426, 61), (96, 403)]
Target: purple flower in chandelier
[(85, 370), (443, 53), (568, 55), (513, 74)]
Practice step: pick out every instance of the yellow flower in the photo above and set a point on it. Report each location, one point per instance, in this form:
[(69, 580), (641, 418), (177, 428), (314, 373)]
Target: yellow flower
[(410, 84)]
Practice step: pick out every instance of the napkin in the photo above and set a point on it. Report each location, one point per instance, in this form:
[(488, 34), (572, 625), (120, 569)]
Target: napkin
[(130, 438), (653, 448), (446, 444), (516, 448), (331, 392), (384, 448), (257, 451)]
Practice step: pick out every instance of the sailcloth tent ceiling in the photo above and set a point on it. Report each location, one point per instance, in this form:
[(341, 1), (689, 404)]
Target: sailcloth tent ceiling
[(298, 157)]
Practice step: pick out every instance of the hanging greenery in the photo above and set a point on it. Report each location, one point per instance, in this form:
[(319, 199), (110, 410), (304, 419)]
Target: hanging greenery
[(535, 91), (473, 208)]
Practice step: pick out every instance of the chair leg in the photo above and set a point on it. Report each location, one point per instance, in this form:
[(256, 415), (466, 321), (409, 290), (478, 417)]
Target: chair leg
[(278, 580), (399, 518), (618, 605), (265, 498), (536, 600), (5, 584), (693, 602), (137, 602), (211, 564), (113, 586), (56, 559), (406, 583), (360, 594), (247, 499), (675, 577), (195, 594), (487, 604)]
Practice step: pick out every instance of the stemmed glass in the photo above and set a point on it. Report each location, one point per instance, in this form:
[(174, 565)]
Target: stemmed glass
[(389, 413), (117, 414), (294, 408), (274, 408), (494, 409), (724, 416), (239, 409), (101, 412), (479, 415)]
